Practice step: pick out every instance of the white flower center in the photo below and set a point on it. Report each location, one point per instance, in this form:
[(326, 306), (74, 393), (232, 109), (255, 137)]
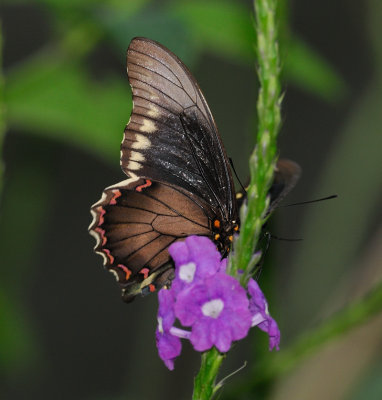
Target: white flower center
[(187, 272), (213, 308)]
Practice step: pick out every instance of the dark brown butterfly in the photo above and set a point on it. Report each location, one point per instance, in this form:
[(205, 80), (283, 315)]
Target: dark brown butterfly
[(180, 182)]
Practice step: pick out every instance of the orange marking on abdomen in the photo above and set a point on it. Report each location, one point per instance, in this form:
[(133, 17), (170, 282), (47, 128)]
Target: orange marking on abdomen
[(145, 272), (126, 270), (147, 184), (117, 194)]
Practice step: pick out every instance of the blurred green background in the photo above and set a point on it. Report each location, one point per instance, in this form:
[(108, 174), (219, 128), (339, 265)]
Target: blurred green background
[(65, 99)]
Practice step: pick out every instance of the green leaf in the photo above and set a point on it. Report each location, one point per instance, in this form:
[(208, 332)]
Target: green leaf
[(308, 70), (58, 101), (222, 27)]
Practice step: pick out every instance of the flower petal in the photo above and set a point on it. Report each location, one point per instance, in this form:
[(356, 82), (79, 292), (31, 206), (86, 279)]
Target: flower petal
[(201, 335), (188, 304), (179, 253), (258, 302), (240, 323), (225, 286), (222, 336), (169, 347), (270, 326), (201, 246), (258, 305), (223, 265), (274, 335), (166, 308)]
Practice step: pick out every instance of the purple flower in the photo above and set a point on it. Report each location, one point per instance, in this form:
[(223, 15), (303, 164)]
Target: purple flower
[(217, 310), (210, 302), (169, 346), (260, 315), (195, 259)]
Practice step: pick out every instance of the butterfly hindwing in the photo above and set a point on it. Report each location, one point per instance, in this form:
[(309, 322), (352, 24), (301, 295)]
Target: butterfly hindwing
[(134, 223), (286, 175)]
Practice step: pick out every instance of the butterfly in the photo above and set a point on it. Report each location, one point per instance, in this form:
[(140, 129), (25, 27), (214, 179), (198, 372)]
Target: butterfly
[(179, 178)]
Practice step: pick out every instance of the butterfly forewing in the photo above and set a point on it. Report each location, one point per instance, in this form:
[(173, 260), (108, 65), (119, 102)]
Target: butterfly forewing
[(171, 136)]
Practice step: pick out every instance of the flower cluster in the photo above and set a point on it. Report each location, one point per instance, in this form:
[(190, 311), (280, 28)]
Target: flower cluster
[(212, 303)]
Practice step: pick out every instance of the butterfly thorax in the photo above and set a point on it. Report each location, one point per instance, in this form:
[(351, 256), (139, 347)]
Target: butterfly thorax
[(223, 232)]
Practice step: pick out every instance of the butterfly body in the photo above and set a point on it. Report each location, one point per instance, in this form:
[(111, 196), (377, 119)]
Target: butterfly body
[(180, 182)]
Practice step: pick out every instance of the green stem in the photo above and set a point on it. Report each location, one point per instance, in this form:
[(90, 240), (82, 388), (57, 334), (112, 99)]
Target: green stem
[(204, 385), (264, 156), (262, 163)]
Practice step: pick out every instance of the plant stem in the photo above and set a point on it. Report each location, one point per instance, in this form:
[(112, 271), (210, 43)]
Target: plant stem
[(263, 159), (204, 385), (262, 163)]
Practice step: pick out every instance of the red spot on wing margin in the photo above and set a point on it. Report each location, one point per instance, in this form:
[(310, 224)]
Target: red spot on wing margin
[(116, 194), (145, 272), (147, 184), (109, 256), (101, 213), (151, 288), (101, 232), (126, 271)]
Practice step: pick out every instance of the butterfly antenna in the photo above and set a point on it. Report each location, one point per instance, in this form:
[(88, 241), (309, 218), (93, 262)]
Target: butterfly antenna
[(333, 196), (234, 171), (284, 239), (259, 266)]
